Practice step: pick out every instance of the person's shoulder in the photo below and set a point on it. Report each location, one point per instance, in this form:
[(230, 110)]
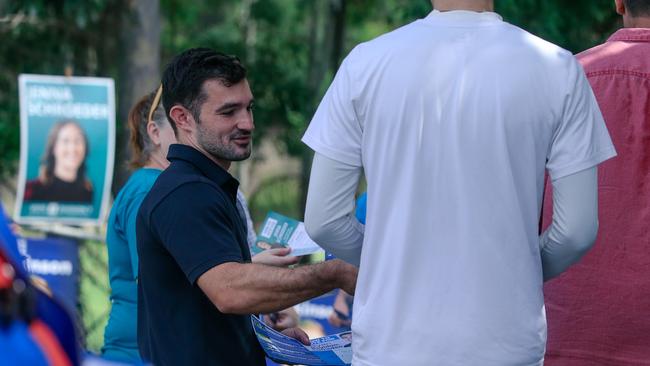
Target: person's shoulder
[(34, 183), (523, 40), (33, 189), (614, 55), (136, 187), (141, 181), (180, 189), (594, 56)]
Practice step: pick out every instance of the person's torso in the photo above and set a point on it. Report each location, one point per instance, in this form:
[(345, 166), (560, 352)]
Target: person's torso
[(459, 117), (177, 323), (58, 190), (598, 310)]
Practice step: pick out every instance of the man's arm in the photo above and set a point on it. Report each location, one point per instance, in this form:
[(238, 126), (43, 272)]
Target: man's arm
[(248, 288), (575, 222), (329, 219)]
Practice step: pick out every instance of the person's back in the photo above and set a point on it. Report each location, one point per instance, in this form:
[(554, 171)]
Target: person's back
[(459, 113), (120, 341), (598, 311)]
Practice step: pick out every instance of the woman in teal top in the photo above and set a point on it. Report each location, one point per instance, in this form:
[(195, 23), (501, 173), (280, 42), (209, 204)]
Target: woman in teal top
[(151, 135)]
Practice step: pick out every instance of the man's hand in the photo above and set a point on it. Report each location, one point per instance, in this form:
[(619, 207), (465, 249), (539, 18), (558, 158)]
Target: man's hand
[(277, 257), (299, 334), (281, 320)]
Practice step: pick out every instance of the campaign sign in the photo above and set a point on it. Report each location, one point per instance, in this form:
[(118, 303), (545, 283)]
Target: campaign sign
[(67, 141), (57, 262)]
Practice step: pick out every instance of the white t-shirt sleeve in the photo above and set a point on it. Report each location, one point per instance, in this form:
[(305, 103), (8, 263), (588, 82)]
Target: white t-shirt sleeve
[(335, 130), (581, 139)]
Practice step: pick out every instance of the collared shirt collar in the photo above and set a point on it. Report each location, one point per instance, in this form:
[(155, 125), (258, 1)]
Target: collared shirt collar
[(631, 35), (463, 17), (209, 168)]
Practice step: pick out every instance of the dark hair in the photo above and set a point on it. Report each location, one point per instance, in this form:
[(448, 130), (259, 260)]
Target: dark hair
[(139, 140), (183, 78), (637, 8), (48, 161)]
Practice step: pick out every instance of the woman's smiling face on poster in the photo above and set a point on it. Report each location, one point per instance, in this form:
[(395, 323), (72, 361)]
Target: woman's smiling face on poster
[(70, 148)]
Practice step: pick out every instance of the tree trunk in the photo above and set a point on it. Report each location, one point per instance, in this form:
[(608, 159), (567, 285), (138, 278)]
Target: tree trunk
[(326, 48), (338, 12), (248, 25), (139, 71)]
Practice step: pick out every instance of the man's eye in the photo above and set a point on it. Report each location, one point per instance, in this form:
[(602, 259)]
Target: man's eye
[(228, 112), (250, 108)]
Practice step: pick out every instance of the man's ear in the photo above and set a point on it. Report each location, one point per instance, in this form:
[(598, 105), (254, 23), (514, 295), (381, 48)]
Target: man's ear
[(183, 118), (620, 7)]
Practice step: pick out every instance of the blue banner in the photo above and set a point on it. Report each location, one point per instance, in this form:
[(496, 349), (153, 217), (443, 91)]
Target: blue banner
[(57, 262)]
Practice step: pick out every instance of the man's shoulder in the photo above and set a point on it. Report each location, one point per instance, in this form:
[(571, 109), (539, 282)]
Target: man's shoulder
[(610, 56), (521, 40), (507, 40), (179, 189)]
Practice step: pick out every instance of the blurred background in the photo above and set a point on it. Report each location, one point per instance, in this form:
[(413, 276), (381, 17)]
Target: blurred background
[(292, 48)]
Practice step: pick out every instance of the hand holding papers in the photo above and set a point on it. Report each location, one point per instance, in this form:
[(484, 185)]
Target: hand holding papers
[(332, 350), (279, 231)]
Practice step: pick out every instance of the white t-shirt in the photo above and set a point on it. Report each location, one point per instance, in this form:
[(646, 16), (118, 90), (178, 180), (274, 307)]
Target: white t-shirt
[(454, 119)]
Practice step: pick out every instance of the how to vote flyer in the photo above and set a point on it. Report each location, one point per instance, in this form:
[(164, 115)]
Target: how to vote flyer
[(332, 350), (280, 231)]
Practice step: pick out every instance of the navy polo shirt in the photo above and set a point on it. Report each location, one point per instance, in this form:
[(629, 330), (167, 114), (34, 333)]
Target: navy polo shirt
[(187, 224)]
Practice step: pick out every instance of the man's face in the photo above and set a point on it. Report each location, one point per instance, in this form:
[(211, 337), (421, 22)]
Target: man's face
[(225, 126)]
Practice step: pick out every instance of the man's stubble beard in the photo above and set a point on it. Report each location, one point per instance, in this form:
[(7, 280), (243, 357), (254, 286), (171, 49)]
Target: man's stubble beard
[(224, 152)]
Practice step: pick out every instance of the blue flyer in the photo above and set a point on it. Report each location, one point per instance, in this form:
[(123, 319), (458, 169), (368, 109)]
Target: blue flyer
[(331, 350)]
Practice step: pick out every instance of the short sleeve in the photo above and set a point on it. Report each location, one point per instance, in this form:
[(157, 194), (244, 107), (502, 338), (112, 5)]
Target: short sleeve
[(197, 232), (581, 139), (335, 131)]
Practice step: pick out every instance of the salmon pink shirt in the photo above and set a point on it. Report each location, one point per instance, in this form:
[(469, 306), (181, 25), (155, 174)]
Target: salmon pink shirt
[(599, 311)]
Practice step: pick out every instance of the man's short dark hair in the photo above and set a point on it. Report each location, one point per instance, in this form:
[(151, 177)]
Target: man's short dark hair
[(637, 8), (183, 78)]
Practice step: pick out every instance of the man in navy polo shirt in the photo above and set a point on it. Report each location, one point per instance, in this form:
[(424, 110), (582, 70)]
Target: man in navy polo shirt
[(196, 285)]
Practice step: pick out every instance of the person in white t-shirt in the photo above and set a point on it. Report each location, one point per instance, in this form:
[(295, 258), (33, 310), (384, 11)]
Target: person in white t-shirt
[(454, 119)]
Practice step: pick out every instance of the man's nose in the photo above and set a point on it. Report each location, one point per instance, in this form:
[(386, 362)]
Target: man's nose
[(246, 122)]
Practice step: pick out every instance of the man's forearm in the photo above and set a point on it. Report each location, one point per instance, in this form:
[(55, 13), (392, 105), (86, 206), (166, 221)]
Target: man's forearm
[(246, 288), (328, 214)]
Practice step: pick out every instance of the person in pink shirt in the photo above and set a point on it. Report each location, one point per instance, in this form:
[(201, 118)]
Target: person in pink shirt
[(599, 311)]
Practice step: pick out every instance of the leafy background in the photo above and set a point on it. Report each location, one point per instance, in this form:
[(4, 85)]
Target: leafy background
[(291, 48)]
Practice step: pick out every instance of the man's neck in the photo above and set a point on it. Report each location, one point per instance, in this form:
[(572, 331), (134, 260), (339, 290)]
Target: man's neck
[(636, 22), (190, 141), (471, 5)]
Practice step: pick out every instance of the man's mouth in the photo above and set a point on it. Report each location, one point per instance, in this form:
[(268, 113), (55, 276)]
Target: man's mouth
[(242, 140)]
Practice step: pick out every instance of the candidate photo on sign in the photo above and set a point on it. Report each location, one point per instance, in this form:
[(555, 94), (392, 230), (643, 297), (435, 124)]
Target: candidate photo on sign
[(62, 173)]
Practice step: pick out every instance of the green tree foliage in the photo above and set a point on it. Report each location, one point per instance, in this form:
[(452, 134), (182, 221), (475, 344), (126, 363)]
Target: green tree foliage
[(46, 37), (288, 45), (575, 25)]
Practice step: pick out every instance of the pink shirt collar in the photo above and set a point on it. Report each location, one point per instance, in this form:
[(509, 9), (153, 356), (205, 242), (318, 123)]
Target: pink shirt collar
[(631, 35)]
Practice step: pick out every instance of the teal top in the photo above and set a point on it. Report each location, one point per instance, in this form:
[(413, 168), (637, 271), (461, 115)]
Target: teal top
[(120, 335)]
